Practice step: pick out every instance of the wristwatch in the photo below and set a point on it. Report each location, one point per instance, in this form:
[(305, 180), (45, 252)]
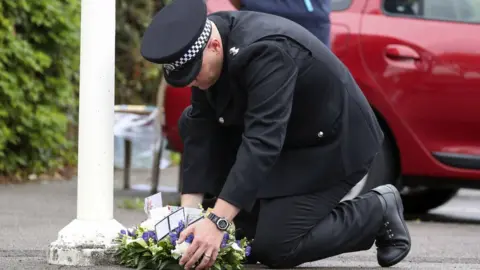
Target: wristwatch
[(221, 223)]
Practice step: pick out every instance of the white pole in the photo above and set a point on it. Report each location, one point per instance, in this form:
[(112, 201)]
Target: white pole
[(85, 240), (96, 117)]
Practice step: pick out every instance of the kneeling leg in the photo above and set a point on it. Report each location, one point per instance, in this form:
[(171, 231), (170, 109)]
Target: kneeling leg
[(300, 229)]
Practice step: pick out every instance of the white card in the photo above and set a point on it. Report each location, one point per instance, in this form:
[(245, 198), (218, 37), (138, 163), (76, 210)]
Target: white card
[(159, 213), (173, 208), (152, 202), (193, 214), (193, 219), (162, 228), (175, 218)]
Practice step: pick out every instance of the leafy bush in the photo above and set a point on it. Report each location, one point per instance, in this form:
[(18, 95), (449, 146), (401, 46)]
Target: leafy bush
[(137, 80), (39, 62), (39, 65)]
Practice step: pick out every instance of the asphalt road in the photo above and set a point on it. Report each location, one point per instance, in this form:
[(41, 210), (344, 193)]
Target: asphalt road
[(31, 216)]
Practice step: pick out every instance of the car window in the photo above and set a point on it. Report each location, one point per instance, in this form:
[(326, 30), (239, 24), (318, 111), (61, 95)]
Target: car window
[(339, 5), (443, 10)]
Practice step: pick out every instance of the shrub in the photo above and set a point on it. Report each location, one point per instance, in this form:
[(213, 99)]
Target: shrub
[(39, 65), (136, 79), (39, 62)]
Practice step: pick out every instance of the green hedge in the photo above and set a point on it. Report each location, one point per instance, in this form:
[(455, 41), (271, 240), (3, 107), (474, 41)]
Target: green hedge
[(39, 62), (39, 65), (136, 79)]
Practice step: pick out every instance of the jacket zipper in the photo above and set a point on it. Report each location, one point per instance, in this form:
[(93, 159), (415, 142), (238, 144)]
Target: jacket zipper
[(308, 5)]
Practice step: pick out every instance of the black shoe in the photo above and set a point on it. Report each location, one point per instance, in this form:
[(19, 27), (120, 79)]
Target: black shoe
[(393, 240)]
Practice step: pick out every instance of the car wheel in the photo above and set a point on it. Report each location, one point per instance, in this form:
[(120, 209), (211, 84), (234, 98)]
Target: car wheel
[(385, 170), (420, 200)]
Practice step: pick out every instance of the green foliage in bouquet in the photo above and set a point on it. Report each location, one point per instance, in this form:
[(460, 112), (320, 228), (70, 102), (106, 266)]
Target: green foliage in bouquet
[(139, 248), (39, 62)]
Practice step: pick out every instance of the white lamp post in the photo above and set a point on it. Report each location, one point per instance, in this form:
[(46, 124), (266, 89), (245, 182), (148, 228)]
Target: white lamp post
[(88, 238)]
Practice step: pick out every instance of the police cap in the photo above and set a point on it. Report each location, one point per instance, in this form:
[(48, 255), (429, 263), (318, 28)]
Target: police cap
[(176, 38)]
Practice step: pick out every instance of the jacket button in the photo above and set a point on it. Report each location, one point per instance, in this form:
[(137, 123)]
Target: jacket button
[(320, 134), (221, 120)]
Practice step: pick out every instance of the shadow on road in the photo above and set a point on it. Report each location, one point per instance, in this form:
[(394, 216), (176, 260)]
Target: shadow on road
[(450, 218), (318, 267)]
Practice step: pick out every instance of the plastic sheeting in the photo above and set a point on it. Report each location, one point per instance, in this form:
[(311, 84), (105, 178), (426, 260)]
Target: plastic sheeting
[(142, 131)]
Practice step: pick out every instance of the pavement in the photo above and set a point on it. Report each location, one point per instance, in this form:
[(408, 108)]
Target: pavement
[(32, 214)]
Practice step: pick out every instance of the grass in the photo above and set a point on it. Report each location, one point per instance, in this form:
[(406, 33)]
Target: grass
[(132, 204), (138, 203)]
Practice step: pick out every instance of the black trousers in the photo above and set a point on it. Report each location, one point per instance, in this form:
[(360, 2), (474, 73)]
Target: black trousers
[(290, 231)]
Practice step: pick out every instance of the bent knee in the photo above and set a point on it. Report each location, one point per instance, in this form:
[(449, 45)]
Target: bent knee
[(273, 254)]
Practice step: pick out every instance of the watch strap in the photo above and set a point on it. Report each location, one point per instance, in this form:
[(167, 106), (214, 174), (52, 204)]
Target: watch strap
[(216, 220)]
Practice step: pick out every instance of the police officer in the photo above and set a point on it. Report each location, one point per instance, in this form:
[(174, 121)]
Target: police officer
[(278, 132)]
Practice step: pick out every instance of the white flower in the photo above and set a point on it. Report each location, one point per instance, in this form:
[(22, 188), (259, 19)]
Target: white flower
[(236, 246), (138, 240), (180, 249), (149, 224)]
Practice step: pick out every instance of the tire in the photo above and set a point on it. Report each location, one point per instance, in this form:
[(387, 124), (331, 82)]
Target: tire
[(425, 199), (385, 170)]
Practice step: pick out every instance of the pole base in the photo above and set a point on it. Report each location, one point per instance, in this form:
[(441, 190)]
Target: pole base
[(85, 243)]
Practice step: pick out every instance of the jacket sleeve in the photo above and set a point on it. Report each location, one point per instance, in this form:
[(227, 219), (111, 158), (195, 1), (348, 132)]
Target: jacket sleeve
[(270, 75), (202, 147)]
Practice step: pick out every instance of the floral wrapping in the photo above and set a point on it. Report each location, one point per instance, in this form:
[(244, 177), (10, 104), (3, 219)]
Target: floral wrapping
[(139, 248)]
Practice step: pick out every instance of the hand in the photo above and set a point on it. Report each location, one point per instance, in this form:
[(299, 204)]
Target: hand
[(207, 239)]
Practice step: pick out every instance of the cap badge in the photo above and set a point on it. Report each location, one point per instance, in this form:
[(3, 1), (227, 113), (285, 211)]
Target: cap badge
[(233, 50), (168, 67)]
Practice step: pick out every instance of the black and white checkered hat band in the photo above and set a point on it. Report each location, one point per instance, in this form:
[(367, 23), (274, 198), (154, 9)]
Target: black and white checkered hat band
[(194, 50)]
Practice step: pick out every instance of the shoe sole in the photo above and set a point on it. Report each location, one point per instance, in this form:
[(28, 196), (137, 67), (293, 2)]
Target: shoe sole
[(398, 201)]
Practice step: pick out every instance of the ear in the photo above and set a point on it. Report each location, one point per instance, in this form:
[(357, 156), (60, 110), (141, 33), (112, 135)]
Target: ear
[(215, 45)]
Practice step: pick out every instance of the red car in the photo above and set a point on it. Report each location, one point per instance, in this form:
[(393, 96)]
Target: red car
[(418, 63)]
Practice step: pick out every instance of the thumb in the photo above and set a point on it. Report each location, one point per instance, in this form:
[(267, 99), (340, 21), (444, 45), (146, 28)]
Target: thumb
[(189, 230)]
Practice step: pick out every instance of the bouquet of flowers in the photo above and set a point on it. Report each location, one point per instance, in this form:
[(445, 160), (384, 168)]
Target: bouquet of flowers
[(147, 246)]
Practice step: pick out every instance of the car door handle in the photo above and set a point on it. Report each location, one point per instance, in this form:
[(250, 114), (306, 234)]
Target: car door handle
[(401, 52)]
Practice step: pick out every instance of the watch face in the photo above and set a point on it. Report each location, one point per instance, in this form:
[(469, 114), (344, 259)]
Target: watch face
[(222, 224)]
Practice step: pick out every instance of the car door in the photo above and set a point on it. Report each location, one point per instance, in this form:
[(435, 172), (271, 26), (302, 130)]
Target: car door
[(424, 57)]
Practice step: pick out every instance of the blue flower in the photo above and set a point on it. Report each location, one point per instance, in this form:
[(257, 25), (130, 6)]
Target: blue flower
[(248, 250), (148, 235), (123, 232), (173, 238), (132, 233), (189, 239), (180, 228), (145, 236), (153, 235), (224, 240)]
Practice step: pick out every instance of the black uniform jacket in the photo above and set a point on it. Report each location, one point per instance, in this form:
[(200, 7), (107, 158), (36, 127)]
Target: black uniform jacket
[(285, 118)]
